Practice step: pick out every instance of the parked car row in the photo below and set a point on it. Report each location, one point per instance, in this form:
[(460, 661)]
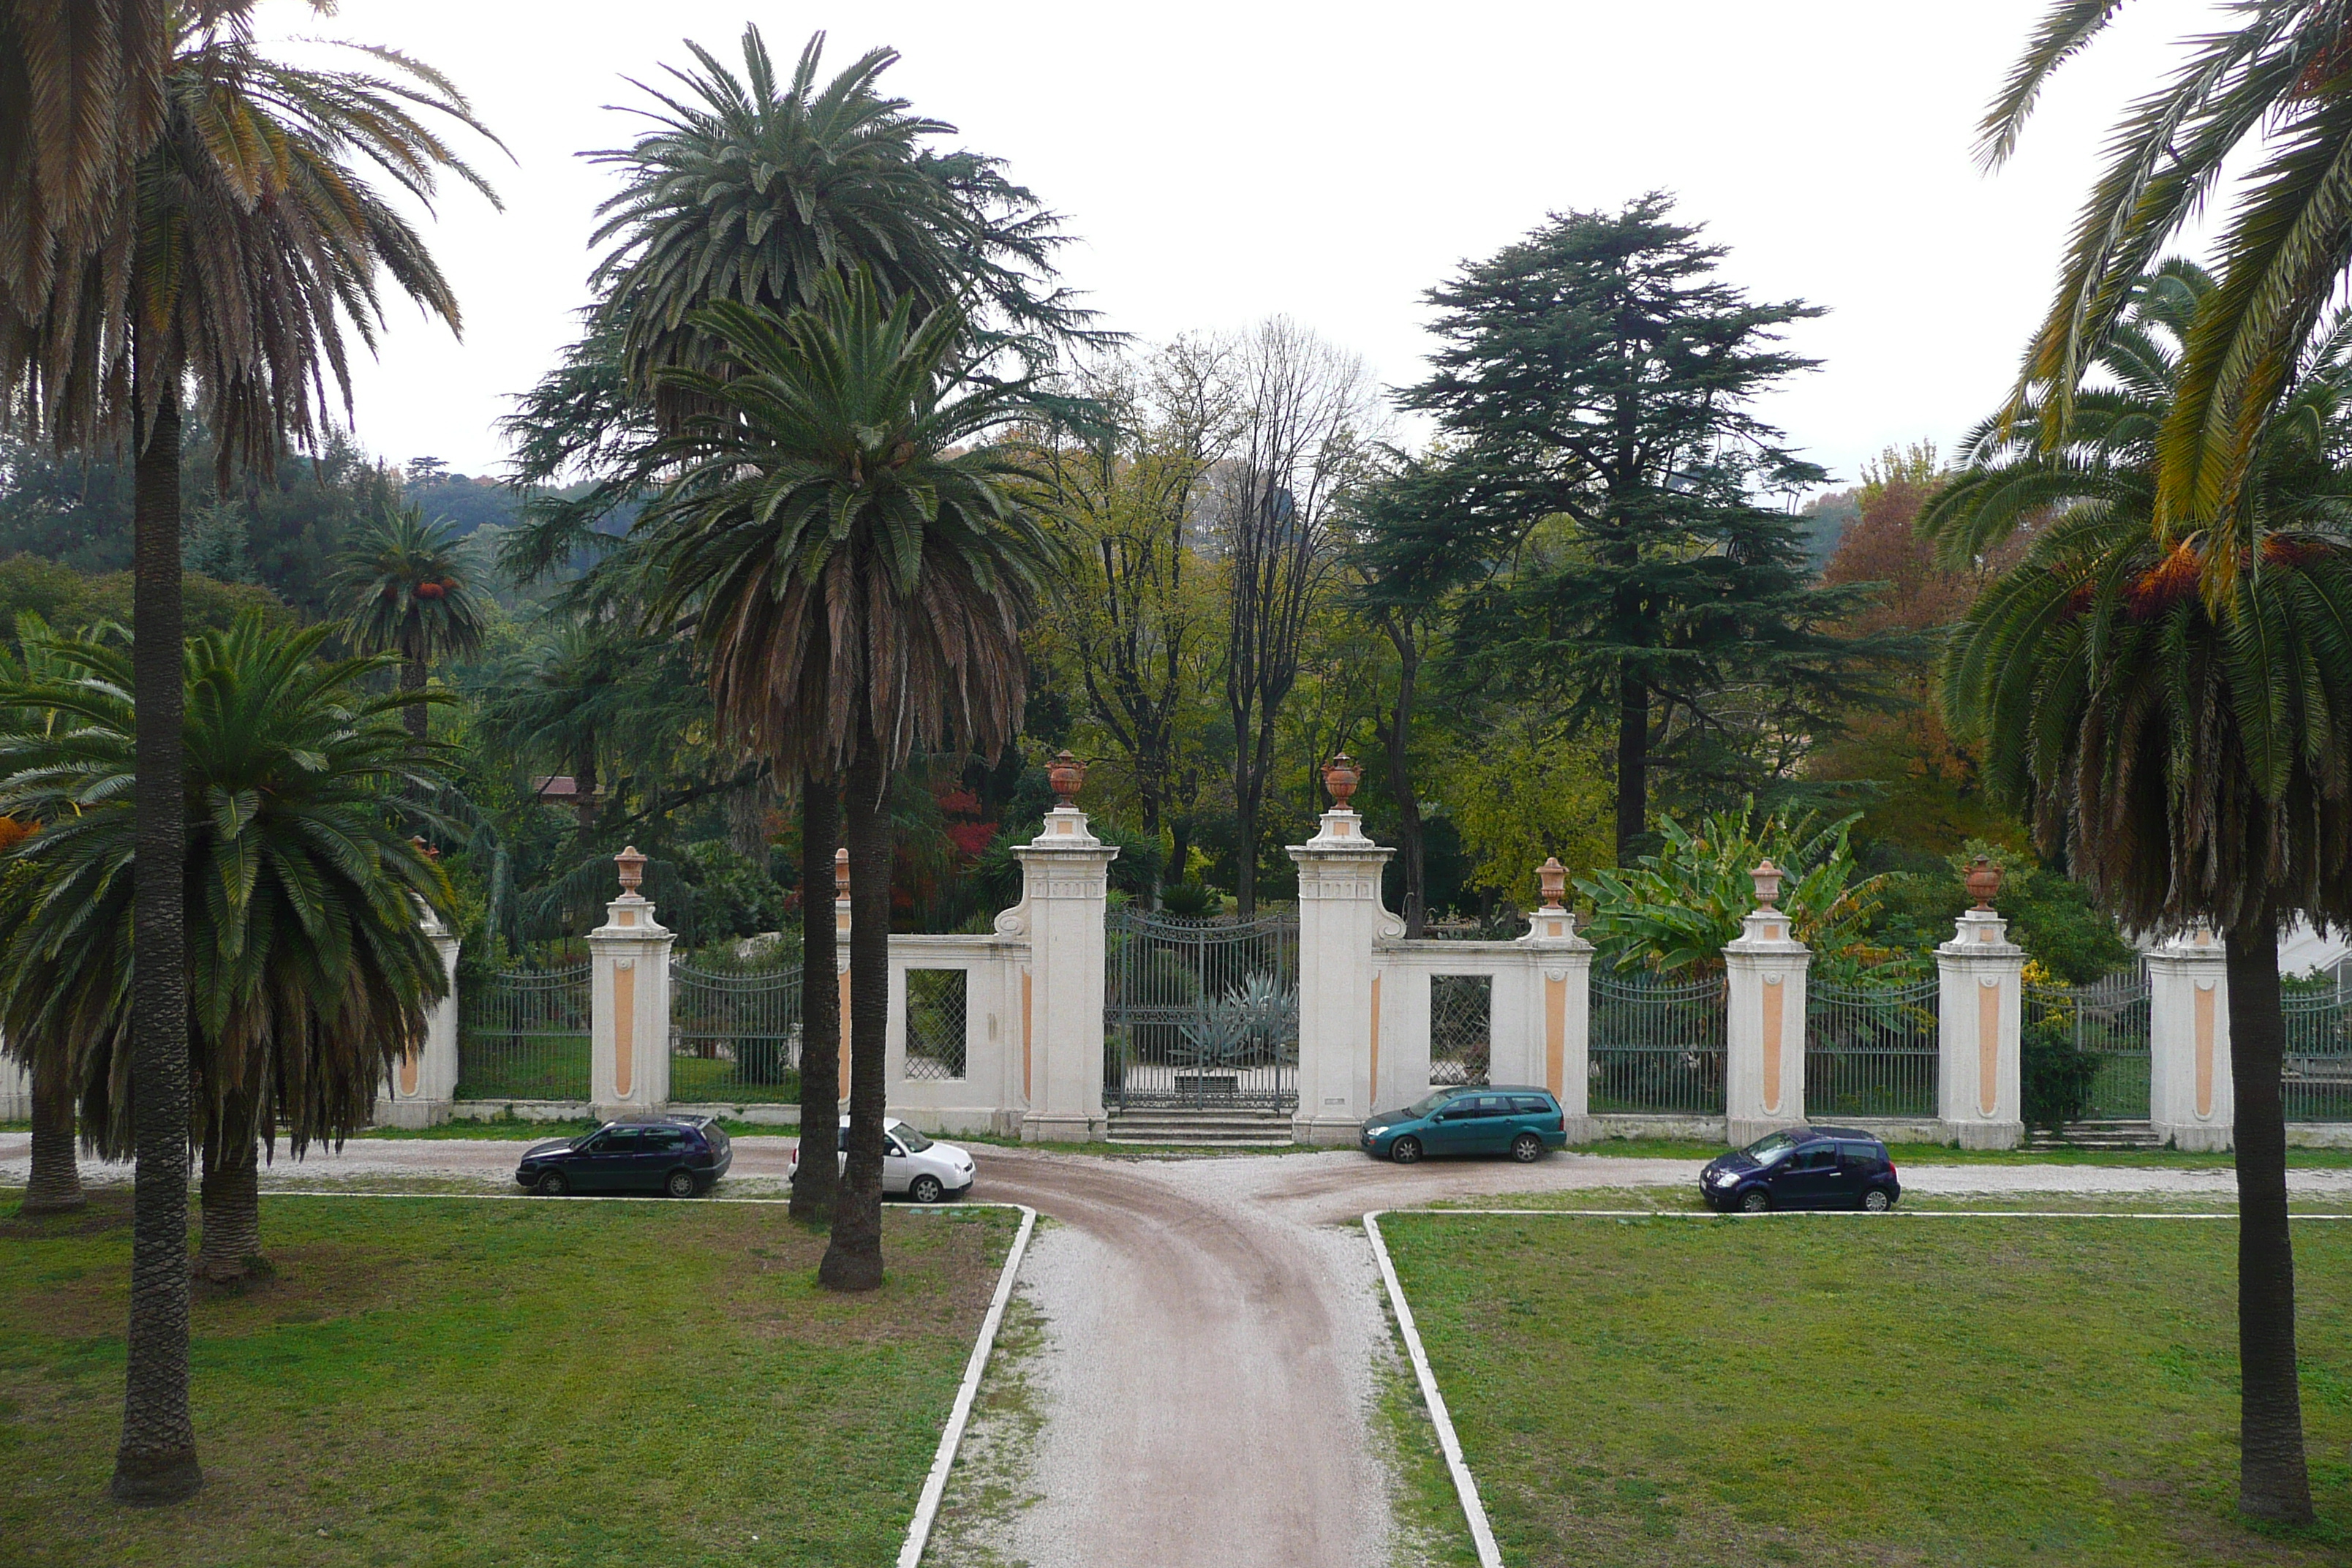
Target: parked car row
[(684, 1156)]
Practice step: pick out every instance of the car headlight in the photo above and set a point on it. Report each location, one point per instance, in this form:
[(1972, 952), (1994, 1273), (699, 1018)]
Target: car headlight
[(1725, 1179), (1375, 1131)]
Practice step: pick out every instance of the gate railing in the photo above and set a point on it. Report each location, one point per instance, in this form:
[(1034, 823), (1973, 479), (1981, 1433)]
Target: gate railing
[(1658, 1045), (1461, 1029), (523, 1034), (2317, 1081), (1872, 1050), (1201, 1013), (734, 1034), (2109, 1018)]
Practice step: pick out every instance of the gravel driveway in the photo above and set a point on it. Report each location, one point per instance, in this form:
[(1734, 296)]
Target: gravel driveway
[(1213, 1327)]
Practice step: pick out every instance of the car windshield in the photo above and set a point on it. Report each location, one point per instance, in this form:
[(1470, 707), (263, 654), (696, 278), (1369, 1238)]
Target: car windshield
[(1770, 1147), (1426, 1107), (913, 1141)]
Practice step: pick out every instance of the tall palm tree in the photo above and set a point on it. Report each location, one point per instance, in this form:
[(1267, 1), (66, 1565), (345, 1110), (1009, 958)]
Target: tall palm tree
[(311, 971), (2278, 78), (232, 263), (755, 188), (859, 593), (2191, 762), (401, 591)]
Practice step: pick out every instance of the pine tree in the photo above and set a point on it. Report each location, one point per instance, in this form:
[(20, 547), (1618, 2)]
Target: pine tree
[(1593, 399)]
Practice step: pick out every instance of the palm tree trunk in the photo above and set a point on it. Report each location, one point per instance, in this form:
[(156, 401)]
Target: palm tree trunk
[(231, 1196), (55, 1184), (156, 1461), (813, 1188), (853, 1261), (2273, 1482), (411, 679)]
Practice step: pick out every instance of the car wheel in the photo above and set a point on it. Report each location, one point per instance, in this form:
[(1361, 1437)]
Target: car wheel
[(553, 1186), (1755, 1200), (681, 1185), (1527, 1148), (1877, 1200), (1405, 1151), (924, 1189)]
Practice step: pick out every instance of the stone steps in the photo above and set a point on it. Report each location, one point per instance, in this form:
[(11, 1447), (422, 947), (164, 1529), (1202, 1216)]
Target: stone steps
[(1201, 1129), (2095, 1135)]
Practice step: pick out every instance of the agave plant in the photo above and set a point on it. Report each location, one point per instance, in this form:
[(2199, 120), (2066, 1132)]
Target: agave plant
[(1247, 1026), (1677, 909)]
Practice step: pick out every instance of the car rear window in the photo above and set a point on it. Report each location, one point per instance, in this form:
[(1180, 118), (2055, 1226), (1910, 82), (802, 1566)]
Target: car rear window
[(1527, 1104)]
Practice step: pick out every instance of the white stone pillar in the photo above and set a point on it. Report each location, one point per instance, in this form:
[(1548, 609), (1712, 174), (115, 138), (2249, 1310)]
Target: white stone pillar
[(1065, 886), (424, 1083), (1764, 1066), (1564, 973), (16, 1092), (2191, 1102), (1339, 918), (1979, 1016), (629, 1003)]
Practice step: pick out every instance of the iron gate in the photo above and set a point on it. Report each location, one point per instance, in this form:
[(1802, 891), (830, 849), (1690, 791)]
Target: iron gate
[(735, 1035), (1201, 1013), (2109, 1018), (523, 1034)]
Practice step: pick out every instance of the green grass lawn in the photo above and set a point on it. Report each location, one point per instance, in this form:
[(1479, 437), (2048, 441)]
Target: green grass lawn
[(480, 1382), (1962, 1392)]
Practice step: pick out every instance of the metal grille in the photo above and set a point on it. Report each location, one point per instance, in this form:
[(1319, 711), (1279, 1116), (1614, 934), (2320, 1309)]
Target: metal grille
[(1461, 1030), (734, 1036), (523, 1034), (935, 1020), (2318, 1077), (1657, 1044), (2108, 1018), (1201, 1013), (1871, 1050)]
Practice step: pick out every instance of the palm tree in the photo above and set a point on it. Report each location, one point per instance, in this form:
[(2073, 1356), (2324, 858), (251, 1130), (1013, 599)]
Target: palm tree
[(2192, 761), (231, 262), (751, 188), (401, 591), (312, 973), (858, 592), (2281, 79)]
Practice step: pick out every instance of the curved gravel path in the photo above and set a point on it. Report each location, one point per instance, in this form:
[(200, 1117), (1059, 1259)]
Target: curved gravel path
[(1213, 1327)]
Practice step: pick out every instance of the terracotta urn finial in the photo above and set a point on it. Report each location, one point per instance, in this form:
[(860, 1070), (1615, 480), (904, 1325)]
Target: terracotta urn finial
[(1067, 776), (633, 869), (1768, 883), (1553, 877), (1341, 776), (1984, 881), (841, 873)]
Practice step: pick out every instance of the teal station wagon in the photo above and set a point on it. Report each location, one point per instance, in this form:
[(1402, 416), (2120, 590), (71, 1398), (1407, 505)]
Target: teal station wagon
[(1477, 1118)]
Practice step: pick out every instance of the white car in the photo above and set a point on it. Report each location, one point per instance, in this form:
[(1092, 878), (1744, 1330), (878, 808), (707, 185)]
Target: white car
[(911, 1164)]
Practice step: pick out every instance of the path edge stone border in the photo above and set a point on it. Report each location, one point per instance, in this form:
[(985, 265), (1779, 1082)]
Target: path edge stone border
[(935, 1484), (1466, 1485)]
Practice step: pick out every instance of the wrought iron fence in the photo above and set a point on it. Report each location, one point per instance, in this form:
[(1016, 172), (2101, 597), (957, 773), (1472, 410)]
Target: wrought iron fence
[(2318, 1076), (935, 1023), (734, 1034), (1657, 1044), (2109, 1018), (523, 1034), (1871, 1050), (1461, 1028), (1201, 1013)]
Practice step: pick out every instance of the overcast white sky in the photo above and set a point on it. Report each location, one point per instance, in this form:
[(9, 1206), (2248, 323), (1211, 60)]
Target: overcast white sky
[(1221, 163)]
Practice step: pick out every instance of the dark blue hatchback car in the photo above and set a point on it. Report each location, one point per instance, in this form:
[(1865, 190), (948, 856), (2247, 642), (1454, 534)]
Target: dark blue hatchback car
[(1803, 1168), (680, 1155)]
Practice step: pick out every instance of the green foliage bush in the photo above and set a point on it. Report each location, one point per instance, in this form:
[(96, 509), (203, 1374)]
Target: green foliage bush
[(2049, 915)]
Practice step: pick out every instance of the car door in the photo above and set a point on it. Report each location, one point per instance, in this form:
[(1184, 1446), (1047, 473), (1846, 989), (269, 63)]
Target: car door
[(1491, 1125), (1533, 1113), (604, 1165), (1449, 1131), (1807, 1179), (897, 1172), (1858, 1165)]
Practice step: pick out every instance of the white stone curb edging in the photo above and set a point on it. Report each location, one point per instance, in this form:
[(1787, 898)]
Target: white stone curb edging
[(1466, 1486), (935, 1484)]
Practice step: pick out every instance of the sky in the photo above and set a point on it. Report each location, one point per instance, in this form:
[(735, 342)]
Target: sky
[(1222, 163)]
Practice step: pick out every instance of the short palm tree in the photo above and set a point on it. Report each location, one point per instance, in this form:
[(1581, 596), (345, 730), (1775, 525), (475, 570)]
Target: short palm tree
[(53, 1185), (859, 593), (2277, 78), (311, 971), (2191, 761), (401, 591), (230, 261)]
